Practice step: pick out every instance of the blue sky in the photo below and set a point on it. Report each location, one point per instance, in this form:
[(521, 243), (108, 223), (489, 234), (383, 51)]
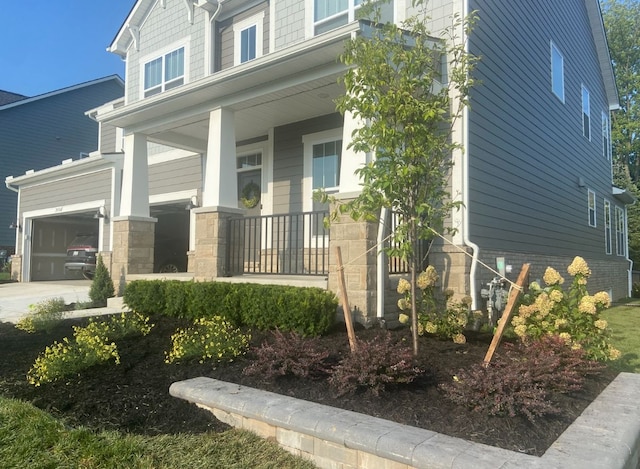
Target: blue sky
[(46, 45)]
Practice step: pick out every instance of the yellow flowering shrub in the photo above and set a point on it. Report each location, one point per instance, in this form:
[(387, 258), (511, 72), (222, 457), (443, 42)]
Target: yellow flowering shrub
[(91, 345), (212, 339), (573, 315), (441, 316), (43, 316)]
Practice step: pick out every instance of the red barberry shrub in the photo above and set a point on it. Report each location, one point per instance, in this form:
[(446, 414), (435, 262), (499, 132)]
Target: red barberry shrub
[(374, 365), (522, 380), (289, 354)]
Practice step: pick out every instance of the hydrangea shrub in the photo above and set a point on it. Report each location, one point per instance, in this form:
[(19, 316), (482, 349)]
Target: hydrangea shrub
[(573, 315), (444, 317)]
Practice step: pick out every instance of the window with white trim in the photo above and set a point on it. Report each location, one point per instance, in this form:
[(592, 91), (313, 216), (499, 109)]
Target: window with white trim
[(330, 14), (557, 72), (322, 159), (606, 136), (586, 113), (620, 232), (164, 72), (592, 207), (249, 168), (607, 227), (248, 38)]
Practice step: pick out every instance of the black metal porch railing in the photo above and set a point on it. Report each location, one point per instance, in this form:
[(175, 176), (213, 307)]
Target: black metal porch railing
[(397, 265), (288, 244)]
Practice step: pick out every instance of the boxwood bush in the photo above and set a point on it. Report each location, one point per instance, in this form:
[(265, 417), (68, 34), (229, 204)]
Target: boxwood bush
[(307, 311)]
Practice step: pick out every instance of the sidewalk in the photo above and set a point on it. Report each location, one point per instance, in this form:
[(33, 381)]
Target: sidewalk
[(16, 297)]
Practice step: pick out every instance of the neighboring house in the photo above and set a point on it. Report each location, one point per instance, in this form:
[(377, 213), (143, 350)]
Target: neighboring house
[(229, 112), (37, 132)]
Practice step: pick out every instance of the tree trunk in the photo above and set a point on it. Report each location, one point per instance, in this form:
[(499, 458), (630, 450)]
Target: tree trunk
[(413, 265)]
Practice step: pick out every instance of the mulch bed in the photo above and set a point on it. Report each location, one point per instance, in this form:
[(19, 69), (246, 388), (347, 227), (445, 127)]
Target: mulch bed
[(133, 397)]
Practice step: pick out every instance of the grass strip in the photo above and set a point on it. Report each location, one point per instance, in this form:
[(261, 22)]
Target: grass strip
[(624, 323), (30, 437)]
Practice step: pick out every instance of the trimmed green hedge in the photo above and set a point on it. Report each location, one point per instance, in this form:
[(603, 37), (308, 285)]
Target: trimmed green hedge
[(307, 311)]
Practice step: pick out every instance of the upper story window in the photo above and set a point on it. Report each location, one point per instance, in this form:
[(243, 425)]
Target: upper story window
[(329, 14), (248, 38), (557, 72), (607, 226), (620, 232), (586, 113), (592, 207), (606, 136), (164, 72)]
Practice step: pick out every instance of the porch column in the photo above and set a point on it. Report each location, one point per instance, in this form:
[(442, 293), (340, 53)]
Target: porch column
[(356, 240), (133, 228), (351, 160), (219, 197)]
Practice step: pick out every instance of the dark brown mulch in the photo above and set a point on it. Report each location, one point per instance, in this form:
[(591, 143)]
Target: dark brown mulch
[(133, 397)]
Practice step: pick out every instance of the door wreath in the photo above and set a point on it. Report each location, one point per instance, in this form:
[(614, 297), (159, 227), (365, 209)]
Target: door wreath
[(250, 195)]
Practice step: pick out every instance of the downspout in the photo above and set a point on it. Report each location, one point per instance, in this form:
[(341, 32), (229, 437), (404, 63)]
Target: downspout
[(465, 186), (380, 265)]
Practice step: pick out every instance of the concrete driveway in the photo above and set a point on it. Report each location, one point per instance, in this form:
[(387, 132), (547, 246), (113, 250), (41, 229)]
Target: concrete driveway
[(15, 298)]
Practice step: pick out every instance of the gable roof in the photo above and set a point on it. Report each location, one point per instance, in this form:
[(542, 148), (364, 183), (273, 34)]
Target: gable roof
[(6, 97), (25, 100)]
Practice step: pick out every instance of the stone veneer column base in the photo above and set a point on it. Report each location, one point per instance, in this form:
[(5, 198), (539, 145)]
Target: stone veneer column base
[(453, 266), (133, 241), (209, 258), (356, 240), (16, 267)]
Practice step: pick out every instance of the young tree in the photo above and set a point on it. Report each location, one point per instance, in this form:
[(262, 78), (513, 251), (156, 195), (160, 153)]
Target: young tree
[(622, 23), (408, 89)]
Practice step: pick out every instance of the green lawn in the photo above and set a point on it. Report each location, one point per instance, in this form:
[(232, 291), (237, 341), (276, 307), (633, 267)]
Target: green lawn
[(32, 438), (624, 323)]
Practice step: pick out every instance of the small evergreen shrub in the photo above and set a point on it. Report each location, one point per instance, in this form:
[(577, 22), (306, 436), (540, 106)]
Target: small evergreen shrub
[(375, 365), (145, 296), (91, 345), (635, 290), (43, 316), (521, 381), (101, 285), (212, 339), (289, 355)]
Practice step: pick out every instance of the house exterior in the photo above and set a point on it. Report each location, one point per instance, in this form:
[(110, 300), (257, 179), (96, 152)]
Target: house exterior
[(37, 132), (229, 113)]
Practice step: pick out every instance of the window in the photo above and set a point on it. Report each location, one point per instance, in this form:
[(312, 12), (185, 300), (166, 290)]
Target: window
[(557, 72), (249, 167), (592, 207), (586, 113), (326, 165), (164, 72), (248, 38), (330, 14), (607, 226), (620, 232), (606, 136), (322, 159)]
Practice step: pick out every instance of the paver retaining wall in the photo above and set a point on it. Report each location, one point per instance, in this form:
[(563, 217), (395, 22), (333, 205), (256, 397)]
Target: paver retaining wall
[(605, 436)]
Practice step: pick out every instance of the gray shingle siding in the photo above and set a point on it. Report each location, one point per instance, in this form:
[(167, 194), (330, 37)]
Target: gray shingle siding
[(526, 147), (289, 160), (176, 175), (40, 133)]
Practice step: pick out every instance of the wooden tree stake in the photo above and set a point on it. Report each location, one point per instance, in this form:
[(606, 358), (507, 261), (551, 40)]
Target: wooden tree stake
[(506, 315), (345, 301)]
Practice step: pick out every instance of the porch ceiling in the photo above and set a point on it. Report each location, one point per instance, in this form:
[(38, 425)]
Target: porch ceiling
[(298, 83)]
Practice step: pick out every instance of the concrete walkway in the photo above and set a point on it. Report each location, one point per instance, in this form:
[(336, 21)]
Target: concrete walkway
[(16, 297)]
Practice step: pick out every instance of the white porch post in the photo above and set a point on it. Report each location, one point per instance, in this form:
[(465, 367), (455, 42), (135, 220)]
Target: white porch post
[(351, 160), (219, 199), (220, 177), (135, 178)]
